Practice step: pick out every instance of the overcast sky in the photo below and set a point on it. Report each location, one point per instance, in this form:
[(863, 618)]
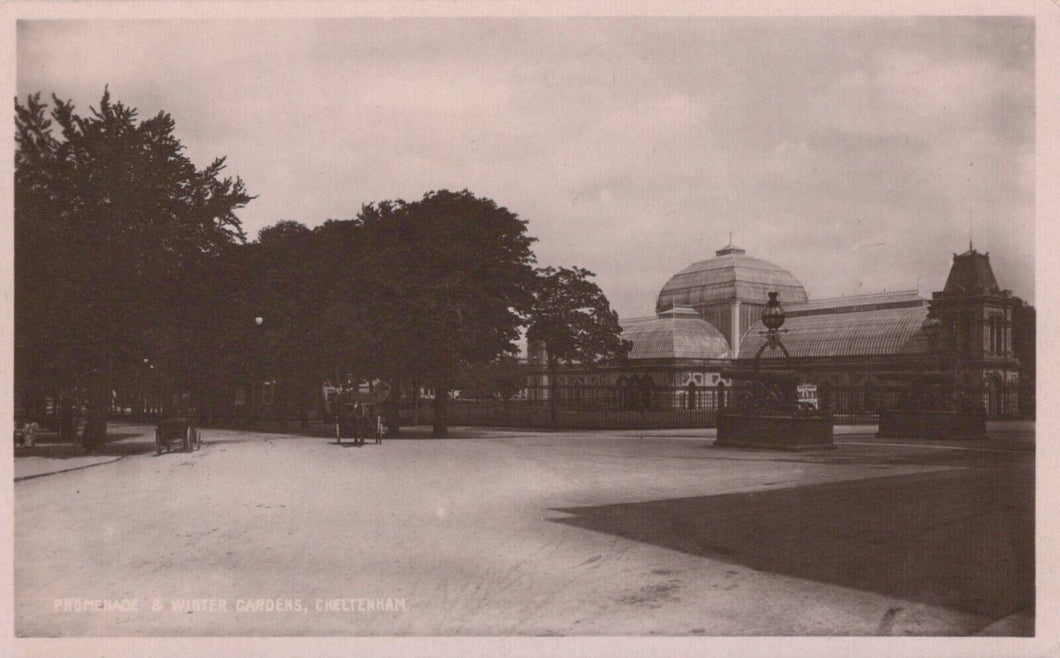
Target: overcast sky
[(856, 153)]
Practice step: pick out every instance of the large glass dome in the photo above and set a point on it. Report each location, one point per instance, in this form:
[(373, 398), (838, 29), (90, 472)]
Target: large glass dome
[(731, 275)]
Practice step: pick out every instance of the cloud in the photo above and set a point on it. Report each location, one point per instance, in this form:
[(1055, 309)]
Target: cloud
[(633, 146)]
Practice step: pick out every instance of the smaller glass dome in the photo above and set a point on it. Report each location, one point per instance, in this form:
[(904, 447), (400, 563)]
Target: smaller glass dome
[(678, 333)]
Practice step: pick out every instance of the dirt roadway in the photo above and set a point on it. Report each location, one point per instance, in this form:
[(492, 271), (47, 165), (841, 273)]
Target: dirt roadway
[(530, 534)]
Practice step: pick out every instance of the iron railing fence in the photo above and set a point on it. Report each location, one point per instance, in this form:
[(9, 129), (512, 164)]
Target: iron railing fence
[(660, 407), (589, 407), (583, 407)]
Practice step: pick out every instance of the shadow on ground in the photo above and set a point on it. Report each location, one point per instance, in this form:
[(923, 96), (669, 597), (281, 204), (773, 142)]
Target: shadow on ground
[(117, 446), (958, 538), (929, 454)]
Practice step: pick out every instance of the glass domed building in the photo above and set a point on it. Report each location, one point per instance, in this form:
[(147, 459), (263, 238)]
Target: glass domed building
[(708, 317)]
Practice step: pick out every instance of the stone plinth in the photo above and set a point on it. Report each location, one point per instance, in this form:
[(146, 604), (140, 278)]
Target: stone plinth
[(901, 424), (775, 431)]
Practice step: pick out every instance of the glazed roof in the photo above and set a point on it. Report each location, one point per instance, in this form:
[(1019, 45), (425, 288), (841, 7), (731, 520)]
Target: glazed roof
[(678, 333), (730, 275), (867, 302), (884, 331)]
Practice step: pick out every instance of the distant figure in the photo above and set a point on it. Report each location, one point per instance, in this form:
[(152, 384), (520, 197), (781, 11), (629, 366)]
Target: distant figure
[(360, 423), (26, 434)]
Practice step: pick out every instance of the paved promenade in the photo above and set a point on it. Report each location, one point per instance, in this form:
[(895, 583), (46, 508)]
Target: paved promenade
[(496, 532)]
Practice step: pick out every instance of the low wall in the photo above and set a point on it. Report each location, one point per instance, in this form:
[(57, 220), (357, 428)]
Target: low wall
[(774, 431), (901, 424)]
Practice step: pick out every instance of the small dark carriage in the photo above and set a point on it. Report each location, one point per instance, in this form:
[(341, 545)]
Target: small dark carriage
[(177, 430)]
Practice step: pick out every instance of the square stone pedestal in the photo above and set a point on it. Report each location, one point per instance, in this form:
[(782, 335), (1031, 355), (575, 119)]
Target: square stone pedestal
[(774, 432)]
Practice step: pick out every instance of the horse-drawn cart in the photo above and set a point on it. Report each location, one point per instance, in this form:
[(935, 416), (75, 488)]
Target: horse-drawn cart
[(359, 421), (180, 430)]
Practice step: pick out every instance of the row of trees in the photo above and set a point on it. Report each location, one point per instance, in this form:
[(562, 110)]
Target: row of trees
[(118, 238), (131, 263)]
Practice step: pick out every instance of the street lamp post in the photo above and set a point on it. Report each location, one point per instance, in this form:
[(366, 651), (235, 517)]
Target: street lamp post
[(149, 390), (255, 397), (144, 389)]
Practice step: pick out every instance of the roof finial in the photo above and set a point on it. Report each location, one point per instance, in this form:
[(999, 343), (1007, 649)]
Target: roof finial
[(971, 217)]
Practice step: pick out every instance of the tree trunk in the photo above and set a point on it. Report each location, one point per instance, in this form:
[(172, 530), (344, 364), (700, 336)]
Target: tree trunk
[(36, 407), (280, 404), (392, 412), (553, 411), (66, 419), (303, 406), (94, 435), (441, 408), (415, 403)]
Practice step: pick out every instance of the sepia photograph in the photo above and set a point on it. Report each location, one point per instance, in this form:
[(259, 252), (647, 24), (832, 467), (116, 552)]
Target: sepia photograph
[(510, 326)]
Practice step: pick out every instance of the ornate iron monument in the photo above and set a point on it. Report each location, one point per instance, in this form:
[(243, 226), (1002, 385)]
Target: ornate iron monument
[(767, 413)]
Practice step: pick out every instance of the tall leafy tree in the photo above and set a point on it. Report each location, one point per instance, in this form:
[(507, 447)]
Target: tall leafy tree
[(353, 302), (117, 238), (284, 294), (305, 286), (449, 280), (574, 320)]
